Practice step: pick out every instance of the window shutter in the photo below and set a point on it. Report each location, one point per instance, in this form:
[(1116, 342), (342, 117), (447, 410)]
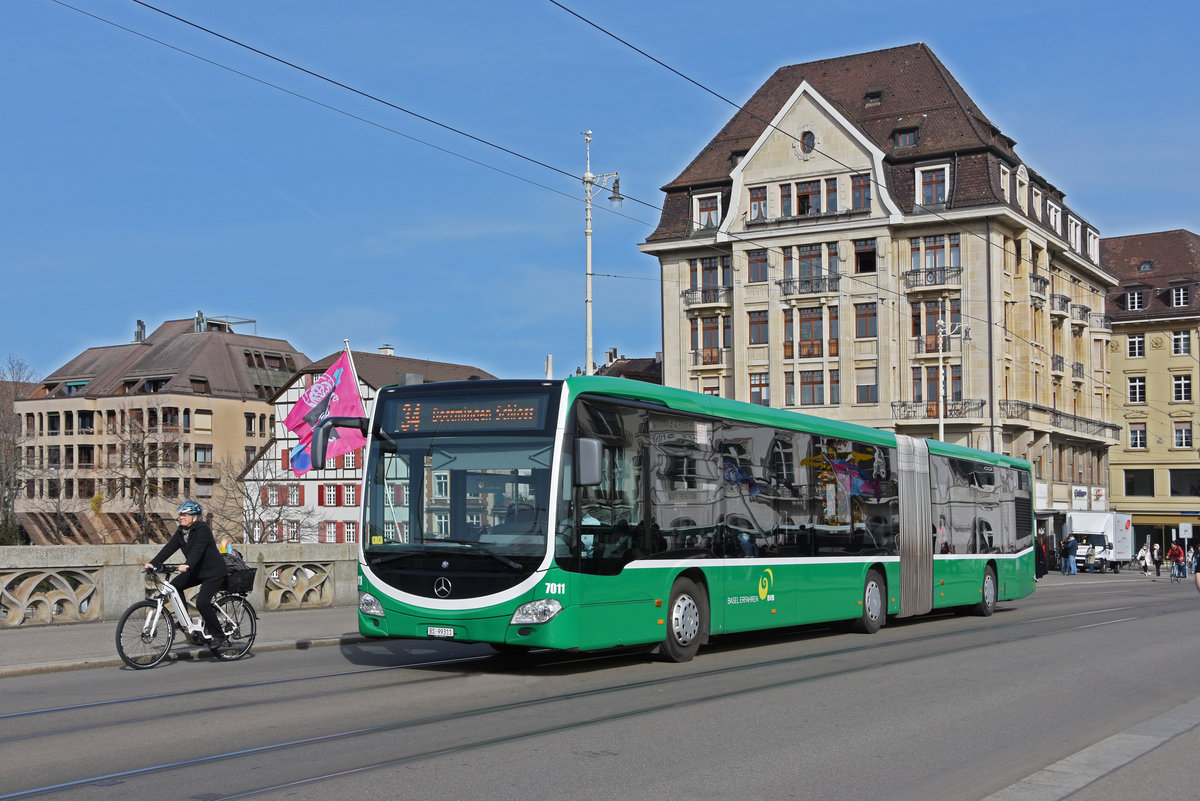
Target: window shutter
[(341, 497), (320, 495), (264, 495), (341, 532), (279, 528), (285, 458), (320, 532), (301, 500), (397, 495)]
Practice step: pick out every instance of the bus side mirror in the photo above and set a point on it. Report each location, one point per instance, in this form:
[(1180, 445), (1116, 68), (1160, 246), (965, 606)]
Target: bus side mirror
[(589, 459)]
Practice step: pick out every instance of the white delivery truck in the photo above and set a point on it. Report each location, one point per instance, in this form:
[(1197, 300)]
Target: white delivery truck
[(1108, 534)]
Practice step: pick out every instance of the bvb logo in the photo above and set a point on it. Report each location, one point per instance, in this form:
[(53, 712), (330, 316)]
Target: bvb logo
[(764, 583)]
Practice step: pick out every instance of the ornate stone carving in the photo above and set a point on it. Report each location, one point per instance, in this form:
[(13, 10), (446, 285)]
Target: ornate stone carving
[(54, 595), (298, 585)]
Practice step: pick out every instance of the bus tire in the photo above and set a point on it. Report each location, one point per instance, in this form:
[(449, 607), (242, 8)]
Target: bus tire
[(687, 621), (874, 605), (987, 594)]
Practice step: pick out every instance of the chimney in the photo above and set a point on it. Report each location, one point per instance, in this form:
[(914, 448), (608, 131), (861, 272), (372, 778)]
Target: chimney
[(139, 333), (198, 323), (386, 350), (409, 379)]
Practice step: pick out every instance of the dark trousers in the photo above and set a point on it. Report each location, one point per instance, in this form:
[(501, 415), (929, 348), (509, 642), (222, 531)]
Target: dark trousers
[(203, 599)]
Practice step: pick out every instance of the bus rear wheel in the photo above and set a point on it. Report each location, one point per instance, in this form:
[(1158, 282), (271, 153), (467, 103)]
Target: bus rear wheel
[(687, 621), (874, 610), (987, 594)]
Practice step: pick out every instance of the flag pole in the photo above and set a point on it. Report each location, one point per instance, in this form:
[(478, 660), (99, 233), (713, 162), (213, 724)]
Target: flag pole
[(354, 372)]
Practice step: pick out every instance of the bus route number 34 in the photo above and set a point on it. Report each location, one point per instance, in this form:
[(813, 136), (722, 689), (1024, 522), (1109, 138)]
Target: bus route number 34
[(556, 588)]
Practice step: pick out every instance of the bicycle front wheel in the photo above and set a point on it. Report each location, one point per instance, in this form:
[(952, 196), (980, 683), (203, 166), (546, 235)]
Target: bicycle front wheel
[(145, 635), (238, 624)]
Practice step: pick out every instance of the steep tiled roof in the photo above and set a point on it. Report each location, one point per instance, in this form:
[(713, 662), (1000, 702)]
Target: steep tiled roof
[(914, 89), (1174, 259)]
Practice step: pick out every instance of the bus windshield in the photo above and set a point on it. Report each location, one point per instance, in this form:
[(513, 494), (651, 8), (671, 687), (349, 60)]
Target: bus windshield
[(481, 497)]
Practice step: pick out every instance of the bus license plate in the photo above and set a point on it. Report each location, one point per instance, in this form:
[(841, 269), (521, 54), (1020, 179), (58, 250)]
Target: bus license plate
[(439, 631)]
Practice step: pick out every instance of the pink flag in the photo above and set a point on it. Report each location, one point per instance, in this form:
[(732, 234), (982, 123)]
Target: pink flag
[(334, 394)]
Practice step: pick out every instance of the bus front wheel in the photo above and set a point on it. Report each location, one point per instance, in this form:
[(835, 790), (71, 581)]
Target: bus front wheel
[(687, 621), (874, 609)]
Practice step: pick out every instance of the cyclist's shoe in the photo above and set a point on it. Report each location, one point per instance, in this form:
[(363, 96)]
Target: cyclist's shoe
[(215, 645)]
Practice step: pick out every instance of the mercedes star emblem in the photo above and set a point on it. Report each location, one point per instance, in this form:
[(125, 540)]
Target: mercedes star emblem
[(441, 587)]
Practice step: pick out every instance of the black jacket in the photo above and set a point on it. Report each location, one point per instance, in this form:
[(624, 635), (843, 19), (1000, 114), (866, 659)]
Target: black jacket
[(199, 551)]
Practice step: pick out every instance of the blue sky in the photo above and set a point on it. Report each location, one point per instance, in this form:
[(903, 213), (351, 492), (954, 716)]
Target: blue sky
[(140, 182)]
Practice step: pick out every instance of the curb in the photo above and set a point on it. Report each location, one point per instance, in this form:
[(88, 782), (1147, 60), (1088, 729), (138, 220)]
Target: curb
[(189, 653)]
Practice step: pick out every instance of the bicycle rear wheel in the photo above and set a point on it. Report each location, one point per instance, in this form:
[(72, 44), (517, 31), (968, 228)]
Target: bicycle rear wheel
[(238, 624), (144, 635)]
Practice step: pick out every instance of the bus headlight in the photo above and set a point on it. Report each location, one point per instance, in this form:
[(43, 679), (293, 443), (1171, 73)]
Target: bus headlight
[(541, 611), (369, 605)]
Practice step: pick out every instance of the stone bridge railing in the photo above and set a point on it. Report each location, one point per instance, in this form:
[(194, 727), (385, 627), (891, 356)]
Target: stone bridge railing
[(82, 583)]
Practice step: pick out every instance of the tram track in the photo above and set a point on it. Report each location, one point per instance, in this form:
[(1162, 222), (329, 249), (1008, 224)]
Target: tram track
[(632, 699)]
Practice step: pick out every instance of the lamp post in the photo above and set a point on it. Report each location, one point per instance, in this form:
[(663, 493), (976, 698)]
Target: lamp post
[(945, 331), (592, 186)]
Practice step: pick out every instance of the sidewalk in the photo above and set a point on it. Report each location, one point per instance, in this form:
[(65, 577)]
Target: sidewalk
[(41, 649)]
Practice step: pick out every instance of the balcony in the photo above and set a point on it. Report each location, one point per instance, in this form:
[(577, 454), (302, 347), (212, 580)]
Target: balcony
[(1076, 371), (1101, 322), (1039, 285), (809, 285), (710, 357), (1058, 365), (1060, 305), (1080, 314), (933, 345), (707, 296), (928, 410), (934, 278), (1023, 414), (807, 217)]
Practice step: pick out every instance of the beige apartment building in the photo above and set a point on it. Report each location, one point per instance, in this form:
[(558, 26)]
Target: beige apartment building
[(861, 242), (115, 439), (1156, 346)]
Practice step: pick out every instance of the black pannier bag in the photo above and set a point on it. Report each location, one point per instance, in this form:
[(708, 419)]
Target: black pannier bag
[(239, 578)]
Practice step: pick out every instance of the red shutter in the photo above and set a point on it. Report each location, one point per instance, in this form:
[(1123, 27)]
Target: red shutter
[(358, 499), (279, 527), (341, 532), (320, 532), (320, 495), (264, 495), (341, 462), (301, 498), (341, 496), (285, 458)]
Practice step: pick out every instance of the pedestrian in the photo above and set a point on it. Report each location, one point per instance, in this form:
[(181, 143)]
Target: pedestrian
[(1062, 558), (1143, 557), (1156, 555), (1041, 558), (1072, 547), (1091, 558)]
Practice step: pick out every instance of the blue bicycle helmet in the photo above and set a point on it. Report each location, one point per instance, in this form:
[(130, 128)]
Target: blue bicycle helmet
[(190, 508)]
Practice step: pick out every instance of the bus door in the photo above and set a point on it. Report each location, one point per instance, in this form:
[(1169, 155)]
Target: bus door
[(916, 527)]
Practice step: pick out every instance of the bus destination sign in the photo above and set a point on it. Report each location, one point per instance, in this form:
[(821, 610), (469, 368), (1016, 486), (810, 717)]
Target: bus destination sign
[(430, 415)]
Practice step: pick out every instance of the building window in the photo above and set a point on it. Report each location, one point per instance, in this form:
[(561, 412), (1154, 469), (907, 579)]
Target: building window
[(1139, 482), (757, 266), (1146, 267), (1137, 389), (835, 391), (760, 389), (758, 327), (808, 197), (1179, 296), (1183, 435), (758, 203), (1135, 301), (329, 491), (350, 494), (709, 213), (351, 532), (865, 324), (789, 388), (864, 255), (866, 385), (1037, 203), (204, 454), (1005, 180), (1136, 347), (811, 337), (1073, 234), (810, 260), (785, 200), (1055, 217), (933, 186), (293, 495), (293, 530), (812, 388), (1137, 436), (860, 191), (1181, 387), (831, 194), (441, 485), (1185, 483), (906, 138), (1181, 343)]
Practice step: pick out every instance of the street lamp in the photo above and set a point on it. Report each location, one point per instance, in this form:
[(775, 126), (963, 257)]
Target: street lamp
[(945, 331), (592, 186)]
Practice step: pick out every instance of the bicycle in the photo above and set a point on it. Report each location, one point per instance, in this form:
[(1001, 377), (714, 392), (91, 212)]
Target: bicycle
[(1178, 571), (146, 631)]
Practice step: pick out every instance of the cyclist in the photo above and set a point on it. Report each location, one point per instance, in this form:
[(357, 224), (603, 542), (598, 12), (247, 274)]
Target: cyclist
[(203, 565), (1175, 554)]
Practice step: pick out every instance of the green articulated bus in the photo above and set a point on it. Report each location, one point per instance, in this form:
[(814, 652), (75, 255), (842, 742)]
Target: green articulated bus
[(598, 512)]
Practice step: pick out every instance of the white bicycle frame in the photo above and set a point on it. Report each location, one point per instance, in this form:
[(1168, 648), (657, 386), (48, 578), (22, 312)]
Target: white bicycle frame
[(166, 593)]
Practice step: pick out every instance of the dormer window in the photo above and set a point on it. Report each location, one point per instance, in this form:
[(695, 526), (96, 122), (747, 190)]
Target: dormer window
[(906, 138), (1145, 267), (708, 212), (873, 98)]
